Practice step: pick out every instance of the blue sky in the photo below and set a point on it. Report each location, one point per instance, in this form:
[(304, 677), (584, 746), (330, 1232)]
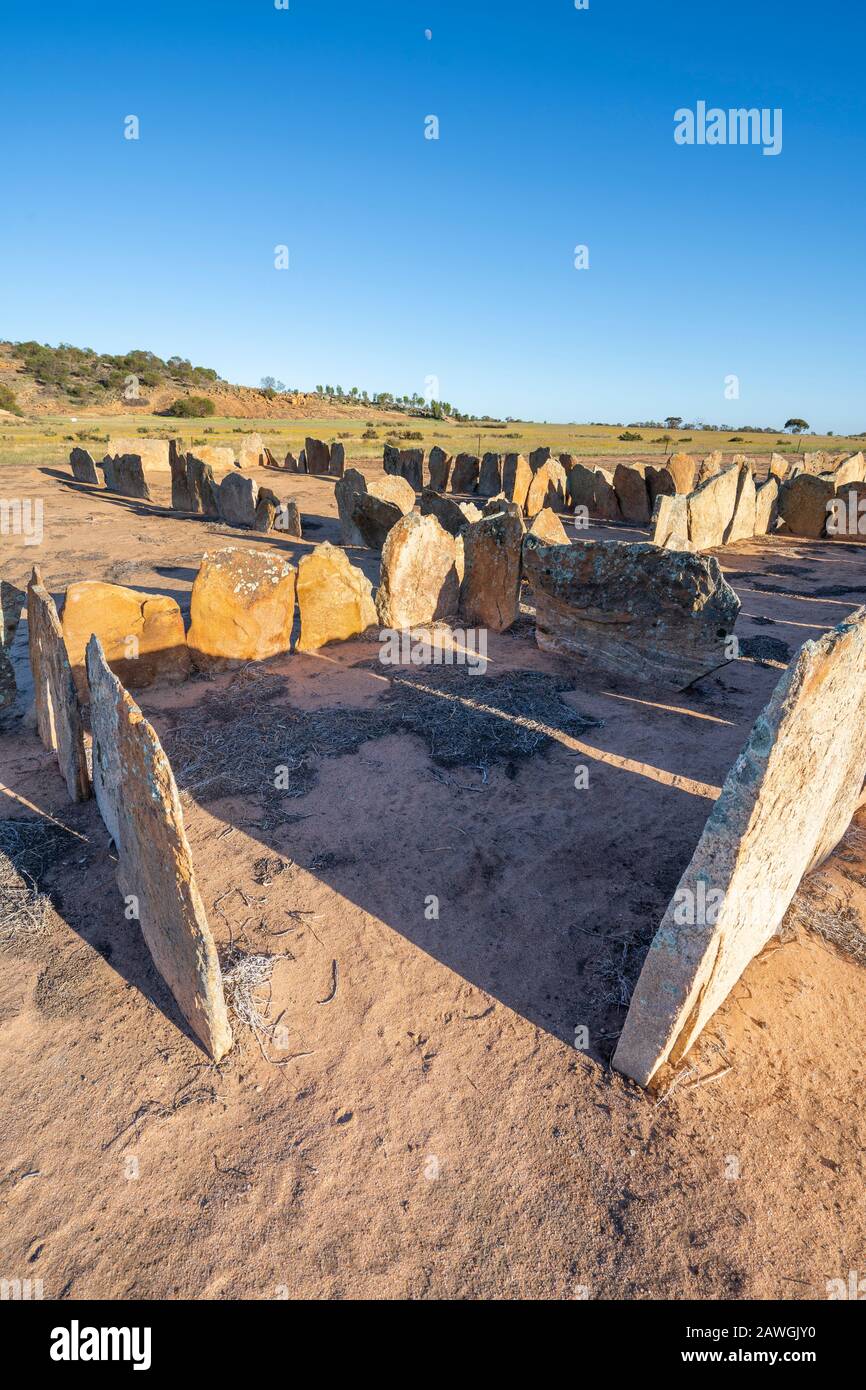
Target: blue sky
[(454, 258)]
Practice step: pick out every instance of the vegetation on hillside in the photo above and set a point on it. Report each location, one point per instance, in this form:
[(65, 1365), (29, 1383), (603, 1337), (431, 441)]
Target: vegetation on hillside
[(8, 401), (85, 377), (191, 407)]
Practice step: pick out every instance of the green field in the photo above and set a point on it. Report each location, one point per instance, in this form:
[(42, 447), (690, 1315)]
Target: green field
[(48, 439)]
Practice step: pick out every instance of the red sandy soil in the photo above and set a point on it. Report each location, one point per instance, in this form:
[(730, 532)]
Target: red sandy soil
[(431, 1131)]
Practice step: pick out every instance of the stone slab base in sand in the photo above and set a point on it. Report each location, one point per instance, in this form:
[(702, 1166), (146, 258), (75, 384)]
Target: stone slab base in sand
[(58, 716), (142, 635), (634, 610), (137, 796), (242, 607), (785, 804)]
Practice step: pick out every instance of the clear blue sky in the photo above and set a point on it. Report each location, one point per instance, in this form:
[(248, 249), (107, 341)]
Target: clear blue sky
[(413, 258)]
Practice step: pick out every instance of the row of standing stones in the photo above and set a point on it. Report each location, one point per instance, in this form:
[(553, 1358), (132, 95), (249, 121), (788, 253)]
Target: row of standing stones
[(446, 559)]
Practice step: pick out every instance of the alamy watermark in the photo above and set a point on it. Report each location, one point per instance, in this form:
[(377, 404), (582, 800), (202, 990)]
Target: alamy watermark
[(737, 126), (435, 647), (22, 516)]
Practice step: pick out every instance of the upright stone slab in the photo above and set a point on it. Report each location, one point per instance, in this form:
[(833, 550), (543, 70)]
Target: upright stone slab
[(267, 506), (127, 477), (490, 591), (11, 603), (659, 483), (418, 578), (337, 460), (490, 476), (137, 795), (766, 506), (547, 488), (803, 504), (202, 487), (632, 609), (580, 488), (142, 634), (83, 466), (237, 498), (318, 456), (447, 512), (670, 522), (547, 527), (219, 457), (711, 507), (742, 523), (58, 717), (439, 467), (785, 804), (711, 465), (391, 460), (251, 453), (850, 470), (373, 517), (607, 506), (683, 470), (538, 458), (335, 598), (516, 478), (288, 518), (353, 484), (412, 467), (290, 463), (464, 474), (242, 607), (631, 490), (778, 466), (182, 496)]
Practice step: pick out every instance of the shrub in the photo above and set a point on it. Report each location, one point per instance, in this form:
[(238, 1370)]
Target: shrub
[(628, 436), (8, 401), (191, 407)]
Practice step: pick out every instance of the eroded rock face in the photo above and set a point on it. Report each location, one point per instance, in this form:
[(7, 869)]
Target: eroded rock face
[(335, 598), (547, 488), (711, 507), (630, 487), (439, 467), (490, 476), (242, 607), (418, 579), (137, 796), (516, 478), (635, 610), (785, 804), (58, 717), (125, 475), (490, 591), (850, 470), (318, 456), (83, 466), (237, 498), (670, 522), (142, 634), (464, 474), (803, 503)]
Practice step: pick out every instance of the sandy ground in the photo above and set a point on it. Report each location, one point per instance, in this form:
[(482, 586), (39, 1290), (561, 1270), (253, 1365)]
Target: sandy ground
[(426, 1127)]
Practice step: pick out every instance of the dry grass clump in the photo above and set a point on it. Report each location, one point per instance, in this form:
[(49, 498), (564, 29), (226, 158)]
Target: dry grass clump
[(26, 849), (235, 745)]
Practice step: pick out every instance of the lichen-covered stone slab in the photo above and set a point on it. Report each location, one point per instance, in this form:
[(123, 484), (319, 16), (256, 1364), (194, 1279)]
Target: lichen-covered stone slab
[(516, 478), (137, 796), (418, 577), (634, 610), (351, 485), (378, 507), (142, 634), (242, 607), (335, 598), (742, 523), (785, 804), (58, 716), (125, 475)]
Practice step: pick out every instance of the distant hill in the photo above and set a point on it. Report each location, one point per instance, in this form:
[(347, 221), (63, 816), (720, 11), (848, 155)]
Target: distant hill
[(36, 379)]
